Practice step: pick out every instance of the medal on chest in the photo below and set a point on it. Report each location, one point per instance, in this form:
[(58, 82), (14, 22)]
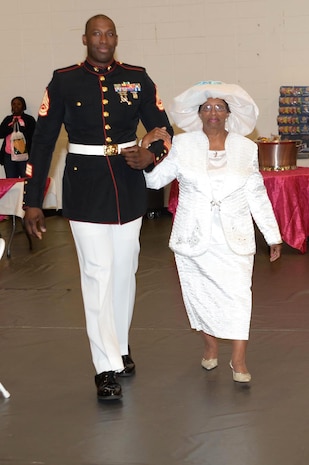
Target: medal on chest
[(127, 89)]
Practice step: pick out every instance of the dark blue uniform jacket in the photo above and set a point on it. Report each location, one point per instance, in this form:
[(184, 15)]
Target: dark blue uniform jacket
[(97, 107)]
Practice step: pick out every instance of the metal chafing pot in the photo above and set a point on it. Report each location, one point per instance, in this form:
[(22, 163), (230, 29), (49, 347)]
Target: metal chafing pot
[(278, 155)]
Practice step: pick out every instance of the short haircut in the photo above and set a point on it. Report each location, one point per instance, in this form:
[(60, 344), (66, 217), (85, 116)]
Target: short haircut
[(22, 100), (100, 16)]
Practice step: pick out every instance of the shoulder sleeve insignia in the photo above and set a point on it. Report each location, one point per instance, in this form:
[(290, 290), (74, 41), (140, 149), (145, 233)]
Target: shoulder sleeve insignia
[(29, 170), (43, 111)]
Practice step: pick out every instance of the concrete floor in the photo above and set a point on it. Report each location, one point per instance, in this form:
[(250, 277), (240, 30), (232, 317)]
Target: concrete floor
[(173, 412)]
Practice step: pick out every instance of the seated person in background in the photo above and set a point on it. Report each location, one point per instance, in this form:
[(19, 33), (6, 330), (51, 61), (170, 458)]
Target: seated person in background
[(15, 169)]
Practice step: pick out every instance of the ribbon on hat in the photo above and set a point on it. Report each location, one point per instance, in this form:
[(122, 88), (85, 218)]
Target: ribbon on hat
[(208, 82)]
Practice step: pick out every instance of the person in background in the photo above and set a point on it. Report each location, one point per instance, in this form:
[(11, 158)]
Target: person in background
[(16, 169), (220, 190), (101, 102)]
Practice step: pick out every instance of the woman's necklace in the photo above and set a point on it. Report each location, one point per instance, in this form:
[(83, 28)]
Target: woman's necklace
[(214, 153), (217, 158)]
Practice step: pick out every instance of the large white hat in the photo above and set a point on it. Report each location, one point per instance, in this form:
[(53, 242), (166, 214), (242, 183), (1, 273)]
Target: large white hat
[(243, 110)]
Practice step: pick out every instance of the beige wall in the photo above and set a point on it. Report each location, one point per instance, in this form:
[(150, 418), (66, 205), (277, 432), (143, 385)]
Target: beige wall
[(257, 44)]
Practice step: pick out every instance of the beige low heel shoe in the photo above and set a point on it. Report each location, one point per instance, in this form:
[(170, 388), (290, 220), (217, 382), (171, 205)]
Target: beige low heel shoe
[(209, 364), (240, 377)]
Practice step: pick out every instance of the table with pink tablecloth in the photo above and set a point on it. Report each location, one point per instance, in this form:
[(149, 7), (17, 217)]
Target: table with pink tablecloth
[(11, 200), (12, 192), (289, 195)]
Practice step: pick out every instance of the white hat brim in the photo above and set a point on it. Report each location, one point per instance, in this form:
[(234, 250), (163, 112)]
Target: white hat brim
[(243, 110)]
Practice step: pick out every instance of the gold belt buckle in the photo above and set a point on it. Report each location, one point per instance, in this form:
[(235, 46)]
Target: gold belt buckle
[(110, 150)]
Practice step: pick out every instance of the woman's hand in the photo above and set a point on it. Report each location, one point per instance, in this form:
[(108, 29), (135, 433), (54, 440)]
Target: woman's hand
[(275, 252), (138, 157), (154, 135)]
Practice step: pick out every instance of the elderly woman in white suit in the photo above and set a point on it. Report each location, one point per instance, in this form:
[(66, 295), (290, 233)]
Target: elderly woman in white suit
[(220, 191)]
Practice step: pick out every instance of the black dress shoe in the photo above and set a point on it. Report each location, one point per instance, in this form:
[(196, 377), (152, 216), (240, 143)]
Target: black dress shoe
[(129, 366), (107, 386)]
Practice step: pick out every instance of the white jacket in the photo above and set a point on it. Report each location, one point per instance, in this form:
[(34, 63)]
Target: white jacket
[(243, 195)]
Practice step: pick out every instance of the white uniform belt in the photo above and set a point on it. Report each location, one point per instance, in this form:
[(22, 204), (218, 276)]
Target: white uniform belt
[(99, 150)]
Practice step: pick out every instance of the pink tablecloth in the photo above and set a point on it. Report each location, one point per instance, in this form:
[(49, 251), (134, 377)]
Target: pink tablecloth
[(7, 183), (5, 186), (289, 194)]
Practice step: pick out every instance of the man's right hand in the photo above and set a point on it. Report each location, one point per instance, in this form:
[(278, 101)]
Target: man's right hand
[(34, 222)]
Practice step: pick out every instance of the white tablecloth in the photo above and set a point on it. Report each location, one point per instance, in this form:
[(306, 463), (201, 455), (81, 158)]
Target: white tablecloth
[(12, 202)]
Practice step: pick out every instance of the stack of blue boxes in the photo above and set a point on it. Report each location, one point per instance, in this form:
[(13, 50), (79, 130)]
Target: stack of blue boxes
[(293, 118)]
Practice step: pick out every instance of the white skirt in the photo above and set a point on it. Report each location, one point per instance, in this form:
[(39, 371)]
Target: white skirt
[(216, 288)]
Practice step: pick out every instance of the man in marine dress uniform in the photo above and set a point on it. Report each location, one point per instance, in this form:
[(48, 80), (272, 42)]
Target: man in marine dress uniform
[(100, 102)]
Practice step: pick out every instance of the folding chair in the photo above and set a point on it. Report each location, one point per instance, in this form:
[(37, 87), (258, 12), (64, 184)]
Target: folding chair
[(2, 246), (3, 391)]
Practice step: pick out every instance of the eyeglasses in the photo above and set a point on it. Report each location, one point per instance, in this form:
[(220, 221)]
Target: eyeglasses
[(217, 107)]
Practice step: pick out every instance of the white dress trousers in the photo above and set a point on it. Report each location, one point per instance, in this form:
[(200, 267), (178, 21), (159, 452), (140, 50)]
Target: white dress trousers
[(108, 261)]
